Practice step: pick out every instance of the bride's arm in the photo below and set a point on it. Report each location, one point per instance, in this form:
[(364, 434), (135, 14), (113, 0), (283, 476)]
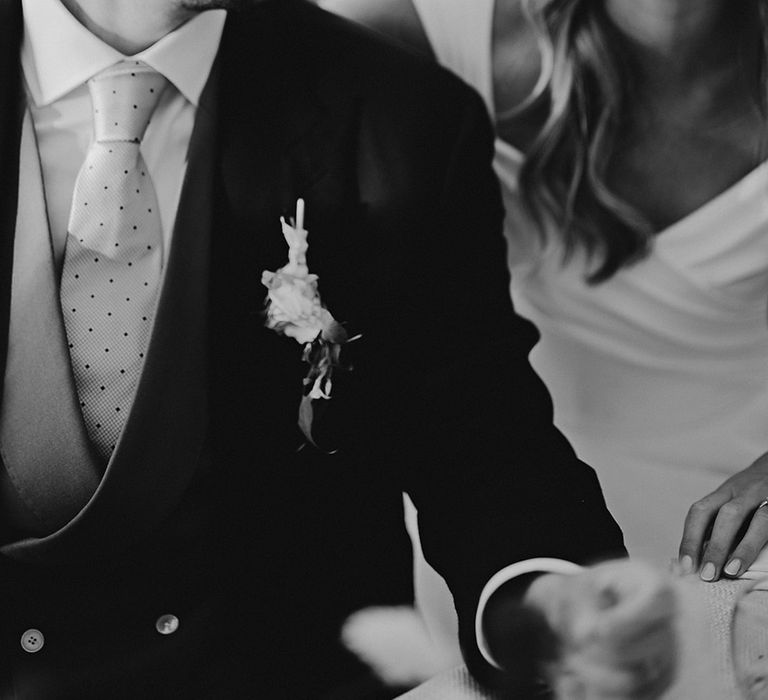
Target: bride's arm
[(395, 18)]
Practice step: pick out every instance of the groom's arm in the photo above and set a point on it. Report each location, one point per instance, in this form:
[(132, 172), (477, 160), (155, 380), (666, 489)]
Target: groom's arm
[(493, 480), (445, 402)]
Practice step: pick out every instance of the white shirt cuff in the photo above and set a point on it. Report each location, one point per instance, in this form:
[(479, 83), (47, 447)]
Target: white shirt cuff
[(528, 566)]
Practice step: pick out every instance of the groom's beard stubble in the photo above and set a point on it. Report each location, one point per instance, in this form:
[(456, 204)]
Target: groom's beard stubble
[(200, 5)]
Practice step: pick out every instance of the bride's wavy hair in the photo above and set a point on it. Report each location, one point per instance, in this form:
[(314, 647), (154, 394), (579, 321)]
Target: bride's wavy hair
[(563, 181)]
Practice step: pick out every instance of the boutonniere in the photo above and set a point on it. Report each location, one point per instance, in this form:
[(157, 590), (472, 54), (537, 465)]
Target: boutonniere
[(294, 309)]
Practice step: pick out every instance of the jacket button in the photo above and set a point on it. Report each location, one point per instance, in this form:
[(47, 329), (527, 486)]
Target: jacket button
[(167, 624), (32, 641)]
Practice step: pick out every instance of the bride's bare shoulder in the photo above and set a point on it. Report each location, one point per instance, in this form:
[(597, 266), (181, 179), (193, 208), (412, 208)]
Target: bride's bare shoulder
[(397, 19)]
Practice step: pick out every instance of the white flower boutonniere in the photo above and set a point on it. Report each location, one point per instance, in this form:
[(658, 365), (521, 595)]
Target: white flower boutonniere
[(294, 309)]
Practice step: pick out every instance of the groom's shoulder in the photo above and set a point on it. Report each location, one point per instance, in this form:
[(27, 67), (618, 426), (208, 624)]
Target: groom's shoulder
[(366, 65)]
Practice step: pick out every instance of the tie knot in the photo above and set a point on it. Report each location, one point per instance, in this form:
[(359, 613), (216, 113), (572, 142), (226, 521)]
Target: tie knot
[(124, 97)]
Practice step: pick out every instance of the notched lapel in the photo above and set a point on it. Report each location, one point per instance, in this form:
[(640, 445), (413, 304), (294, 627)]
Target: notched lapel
[(11, 115), (286, 131)]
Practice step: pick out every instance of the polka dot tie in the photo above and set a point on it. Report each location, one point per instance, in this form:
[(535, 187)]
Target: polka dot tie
[(113, 254)]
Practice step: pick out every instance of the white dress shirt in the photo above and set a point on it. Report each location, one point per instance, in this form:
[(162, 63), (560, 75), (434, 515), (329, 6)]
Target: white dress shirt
[(59, 55)]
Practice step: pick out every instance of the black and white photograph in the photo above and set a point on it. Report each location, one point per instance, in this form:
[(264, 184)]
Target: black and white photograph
[(384, 349)]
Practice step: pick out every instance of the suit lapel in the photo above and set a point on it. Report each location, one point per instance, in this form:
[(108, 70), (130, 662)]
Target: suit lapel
[(284, 134), (56, 478), (252, 366), (11, 113)]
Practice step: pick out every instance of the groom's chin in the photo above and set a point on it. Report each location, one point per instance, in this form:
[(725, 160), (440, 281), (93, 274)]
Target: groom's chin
[(200, 5)]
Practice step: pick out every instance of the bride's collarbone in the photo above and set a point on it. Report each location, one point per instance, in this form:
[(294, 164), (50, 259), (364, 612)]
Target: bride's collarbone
[(671, 172)]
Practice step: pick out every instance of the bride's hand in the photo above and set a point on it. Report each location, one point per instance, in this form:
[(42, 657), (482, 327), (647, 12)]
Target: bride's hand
[(615, 624), (734, 523)]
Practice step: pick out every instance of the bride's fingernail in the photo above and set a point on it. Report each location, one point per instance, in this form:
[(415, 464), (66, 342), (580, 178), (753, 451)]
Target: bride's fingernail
[(733, 567), (686, 563), (708, 572)]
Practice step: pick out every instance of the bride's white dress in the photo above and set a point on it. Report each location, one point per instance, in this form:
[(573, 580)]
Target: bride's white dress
[(659, 376)]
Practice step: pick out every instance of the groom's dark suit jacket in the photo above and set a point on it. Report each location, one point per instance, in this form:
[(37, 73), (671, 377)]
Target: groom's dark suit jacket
[(212, 512)]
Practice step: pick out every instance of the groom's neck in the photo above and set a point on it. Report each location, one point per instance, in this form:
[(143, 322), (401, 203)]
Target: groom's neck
[(129, 26)]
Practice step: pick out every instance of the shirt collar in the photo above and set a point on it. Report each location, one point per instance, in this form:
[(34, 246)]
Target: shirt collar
[(59, 54)]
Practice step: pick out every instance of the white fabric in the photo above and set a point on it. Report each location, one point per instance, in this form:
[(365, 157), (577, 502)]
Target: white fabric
[(432, 597), (114, 253), (759, 569), (59, 55), (660, 375)]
